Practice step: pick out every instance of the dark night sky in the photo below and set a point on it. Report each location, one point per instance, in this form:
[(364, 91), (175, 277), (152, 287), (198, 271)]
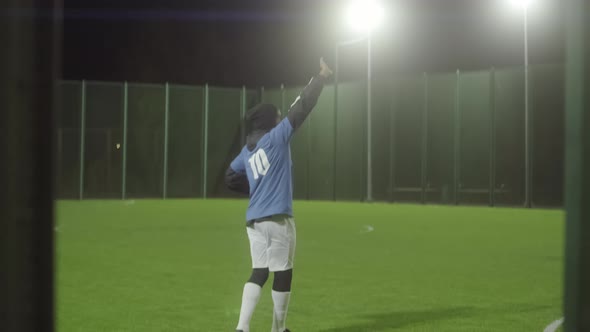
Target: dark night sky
[(267, 42)]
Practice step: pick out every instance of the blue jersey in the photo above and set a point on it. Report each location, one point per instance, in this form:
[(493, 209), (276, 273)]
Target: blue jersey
[(268, 168)]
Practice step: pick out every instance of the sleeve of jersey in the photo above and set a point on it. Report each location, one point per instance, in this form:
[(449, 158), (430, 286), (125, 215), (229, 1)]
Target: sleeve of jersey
[(238, 164)]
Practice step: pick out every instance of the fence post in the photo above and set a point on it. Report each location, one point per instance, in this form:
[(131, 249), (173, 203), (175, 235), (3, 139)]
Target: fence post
[(363, 158), (282, 106), (392, 147), (205, 139), (124, 175), (531, 137), (492, 186), (334, 165), (82, 136), (166, 116), (424, 159), (309, 145), (108, 148), (457, 139), (242, 116), (527, 139)]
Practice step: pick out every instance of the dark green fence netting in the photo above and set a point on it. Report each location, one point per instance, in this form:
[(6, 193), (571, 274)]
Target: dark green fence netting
[(103, 140), (185, 142), (145, 137), (68, 141)]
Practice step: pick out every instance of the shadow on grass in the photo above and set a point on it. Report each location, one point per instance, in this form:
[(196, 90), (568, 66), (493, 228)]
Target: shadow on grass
[(399, 319)]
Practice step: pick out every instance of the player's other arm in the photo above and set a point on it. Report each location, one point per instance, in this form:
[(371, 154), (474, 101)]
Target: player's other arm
[(236, 181), (236, 178), (308, 97)]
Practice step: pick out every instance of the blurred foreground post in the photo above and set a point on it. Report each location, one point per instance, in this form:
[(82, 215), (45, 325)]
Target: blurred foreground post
[(31, 48), (577, 171)]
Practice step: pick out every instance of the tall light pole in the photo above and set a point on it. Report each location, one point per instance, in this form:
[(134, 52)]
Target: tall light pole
[(527, 119), (364, 16), (524, 6), (369, 124)]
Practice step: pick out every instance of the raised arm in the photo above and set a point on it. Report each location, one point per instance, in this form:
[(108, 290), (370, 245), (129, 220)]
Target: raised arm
[(308, 98)]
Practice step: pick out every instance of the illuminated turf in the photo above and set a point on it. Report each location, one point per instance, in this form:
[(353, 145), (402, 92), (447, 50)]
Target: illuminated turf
[(180, 265)]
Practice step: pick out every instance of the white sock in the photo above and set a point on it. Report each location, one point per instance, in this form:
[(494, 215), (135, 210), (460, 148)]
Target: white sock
[(281, 305), (250, 298)]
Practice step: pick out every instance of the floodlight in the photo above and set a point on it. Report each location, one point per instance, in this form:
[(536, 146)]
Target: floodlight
[(521, 3), (364, 15)]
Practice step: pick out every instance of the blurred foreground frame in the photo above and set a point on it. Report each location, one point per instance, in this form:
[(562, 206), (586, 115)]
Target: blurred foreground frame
[(30, 33), (577, 177)]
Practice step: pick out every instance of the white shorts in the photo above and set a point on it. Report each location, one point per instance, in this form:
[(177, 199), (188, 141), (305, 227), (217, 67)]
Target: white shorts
[(272, 243)]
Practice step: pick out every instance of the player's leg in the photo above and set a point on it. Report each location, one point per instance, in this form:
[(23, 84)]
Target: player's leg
[(281, 295), (281, 255), (250, 297), (253, 288)]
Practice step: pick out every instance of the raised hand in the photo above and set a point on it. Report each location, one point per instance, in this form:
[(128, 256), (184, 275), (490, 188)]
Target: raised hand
[(325, 71)]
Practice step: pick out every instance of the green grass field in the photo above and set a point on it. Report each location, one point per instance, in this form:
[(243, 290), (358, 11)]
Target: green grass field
[(180, 265)]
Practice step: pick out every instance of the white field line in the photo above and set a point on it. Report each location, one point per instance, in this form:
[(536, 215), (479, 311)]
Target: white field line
[(553, 326), (367, 229)]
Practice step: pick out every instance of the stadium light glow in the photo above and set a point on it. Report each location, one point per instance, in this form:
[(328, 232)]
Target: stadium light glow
[(521, 3), (364, 15)]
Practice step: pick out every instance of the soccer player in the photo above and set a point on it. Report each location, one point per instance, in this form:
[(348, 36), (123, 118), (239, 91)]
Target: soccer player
[(263, 170)]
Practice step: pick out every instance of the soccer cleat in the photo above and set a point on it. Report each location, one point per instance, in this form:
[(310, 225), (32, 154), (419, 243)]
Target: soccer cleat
[(239, 330)]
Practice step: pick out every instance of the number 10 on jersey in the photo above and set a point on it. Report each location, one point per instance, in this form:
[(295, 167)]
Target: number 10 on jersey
[(259, 164)]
